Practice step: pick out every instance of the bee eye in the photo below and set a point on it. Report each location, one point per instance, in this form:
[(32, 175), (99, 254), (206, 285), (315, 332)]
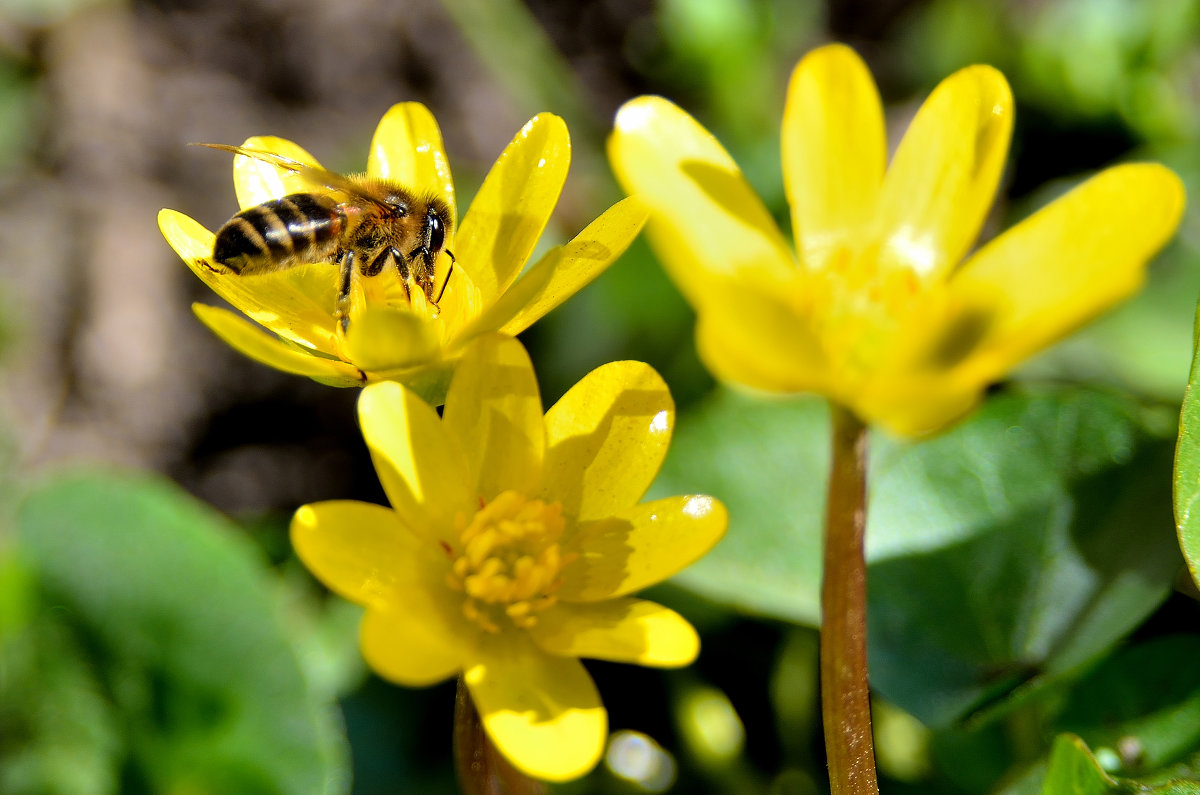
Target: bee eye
[(437, 233)]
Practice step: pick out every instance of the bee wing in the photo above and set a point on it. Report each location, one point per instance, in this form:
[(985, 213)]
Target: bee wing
[(314, 174)]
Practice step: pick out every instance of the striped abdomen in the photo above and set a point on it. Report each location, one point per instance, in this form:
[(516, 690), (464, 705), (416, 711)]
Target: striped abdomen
[(301, 227)]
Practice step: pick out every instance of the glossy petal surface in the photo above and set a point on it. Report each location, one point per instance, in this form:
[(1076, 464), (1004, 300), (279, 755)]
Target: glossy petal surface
[(381, 338), (361, 551), (494, 413), (641, 545), (752, 337), (257, 181), (511, 209), (834, 151), (619, 630), (565, 271), (606, 439), (917, 406), (1067, 263), (705, 217), (541, 711), (410, 644), (249, 340), (296, 304), (942, 180), (461, 304), (407, 147), (418, 462)]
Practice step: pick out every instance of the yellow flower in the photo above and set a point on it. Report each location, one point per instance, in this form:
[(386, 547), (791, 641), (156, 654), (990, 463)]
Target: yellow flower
[(387, 338), (511, 545), (881, 308)]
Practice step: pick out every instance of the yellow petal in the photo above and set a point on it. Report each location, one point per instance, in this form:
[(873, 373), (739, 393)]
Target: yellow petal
[(191, 240), (534, 283), (705, 218), (428, 381), (754, 338), (381, 338), (1065, 264), (256, 181), (511, 209), (542, 712), (494, 412), (834, 150), (942, 180), (563, 271), (641, 545), (619, 630), (460, 304), (359, 550), (407, 148), (297, 303), (413, 644), (559, 275), (249, 340), (916, 405), (606, 439), (420, 466)]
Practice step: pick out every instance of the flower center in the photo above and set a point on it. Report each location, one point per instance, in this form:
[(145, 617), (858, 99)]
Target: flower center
[(511, 563), (389, 289), (859, 308)]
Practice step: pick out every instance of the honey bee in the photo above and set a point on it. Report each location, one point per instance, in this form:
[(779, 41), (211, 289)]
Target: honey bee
[(356, 222)]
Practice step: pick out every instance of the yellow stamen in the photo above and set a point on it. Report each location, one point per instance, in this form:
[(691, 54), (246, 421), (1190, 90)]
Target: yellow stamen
[(511, 563), (858, 301)]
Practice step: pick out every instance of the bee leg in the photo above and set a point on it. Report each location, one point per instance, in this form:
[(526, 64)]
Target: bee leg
[(346, 275), (219, 267), (379, 263), (442, 291), (425, 280), (401, 268)]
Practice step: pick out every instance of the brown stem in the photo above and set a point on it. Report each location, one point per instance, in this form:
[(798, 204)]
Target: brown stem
[(845, 699), (482, 769)]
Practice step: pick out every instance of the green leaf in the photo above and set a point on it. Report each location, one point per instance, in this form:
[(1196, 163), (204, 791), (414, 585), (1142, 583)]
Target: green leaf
[(1074, 771), (1187, 466), (1066, 547), (175, 610), (1143, 704), (58, 731), (768, 462), (1012, 548)]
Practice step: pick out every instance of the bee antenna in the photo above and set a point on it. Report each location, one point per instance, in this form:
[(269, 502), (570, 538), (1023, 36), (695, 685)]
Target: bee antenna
[(443, 290)]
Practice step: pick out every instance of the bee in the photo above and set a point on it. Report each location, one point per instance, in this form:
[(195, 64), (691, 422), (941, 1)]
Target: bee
[(356, 222)]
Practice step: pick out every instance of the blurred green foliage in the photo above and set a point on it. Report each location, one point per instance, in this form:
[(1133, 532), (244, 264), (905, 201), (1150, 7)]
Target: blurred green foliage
[(150, 655)]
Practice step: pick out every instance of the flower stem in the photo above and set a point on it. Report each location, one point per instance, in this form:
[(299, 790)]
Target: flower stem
[(845, 699), (482, 769)]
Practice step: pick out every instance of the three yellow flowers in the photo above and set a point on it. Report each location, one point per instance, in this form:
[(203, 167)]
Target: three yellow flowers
[(513, 538)]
